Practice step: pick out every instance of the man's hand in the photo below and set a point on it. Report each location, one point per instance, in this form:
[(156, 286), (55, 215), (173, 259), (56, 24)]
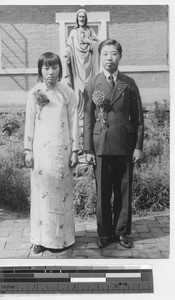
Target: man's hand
[(73, 160), (29, 160), (90, 158), (137, 156)]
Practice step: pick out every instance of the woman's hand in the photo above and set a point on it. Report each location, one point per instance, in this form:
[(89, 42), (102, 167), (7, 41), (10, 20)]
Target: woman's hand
[(29, 160), (67, 58), (137, 156), (90, 158), (73, 160)]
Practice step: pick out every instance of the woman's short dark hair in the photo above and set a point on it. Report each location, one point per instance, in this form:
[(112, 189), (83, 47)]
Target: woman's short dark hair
[(110, 42), (49, 59)]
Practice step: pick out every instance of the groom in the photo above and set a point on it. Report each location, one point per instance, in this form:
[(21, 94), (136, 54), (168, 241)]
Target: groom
[(113, 142)]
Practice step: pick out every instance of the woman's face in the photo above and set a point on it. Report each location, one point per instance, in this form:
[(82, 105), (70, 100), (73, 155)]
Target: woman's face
[(81, 19), (50, 73)]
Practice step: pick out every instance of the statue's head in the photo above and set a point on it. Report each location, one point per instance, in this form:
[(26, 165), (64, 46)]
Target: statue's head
[(81, 18)]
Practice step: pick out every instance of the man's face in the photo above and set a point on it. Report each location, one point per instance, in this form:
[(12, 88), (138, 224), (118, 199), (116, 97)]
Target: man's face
[(110, 58)]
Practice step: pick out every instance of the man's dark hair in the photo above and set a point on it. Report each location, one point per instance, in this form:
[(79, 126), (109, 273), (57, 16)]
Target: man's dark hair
[(110, 42)]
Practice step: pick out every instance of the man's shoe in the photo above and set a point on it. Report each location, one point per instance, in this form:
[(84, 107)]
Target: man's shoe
[(38, 249), (124, 241), (104, 242)]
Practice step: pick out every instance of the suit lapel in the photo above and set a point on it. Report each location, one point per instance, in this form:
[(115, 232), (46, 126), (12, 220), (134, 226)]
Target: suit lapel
[(103, 85), (119, 89)]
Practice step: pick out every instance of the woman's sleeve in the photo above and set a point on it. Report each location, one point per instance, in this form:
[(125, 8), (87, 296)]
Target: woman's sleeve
[(29, 123), (73, 121)]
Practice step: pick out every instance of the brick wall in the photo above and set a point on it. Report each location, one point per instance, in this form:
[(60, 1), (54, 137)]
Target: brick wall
[(22, 44), (28, 31), (142, 43)]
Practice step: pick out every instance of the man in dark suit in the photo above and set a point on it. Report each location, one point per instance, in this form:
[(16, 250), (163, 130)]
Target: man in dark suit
[(113, 142)]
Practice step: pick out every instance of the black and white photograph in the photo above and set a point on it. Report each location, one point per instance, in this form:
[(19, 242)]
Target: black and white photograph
[(84, 131), (85, 97)]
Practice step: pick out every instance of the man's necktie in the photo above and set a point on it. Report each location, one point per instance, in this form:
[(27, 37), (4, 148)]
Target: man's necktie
[(111, 82)]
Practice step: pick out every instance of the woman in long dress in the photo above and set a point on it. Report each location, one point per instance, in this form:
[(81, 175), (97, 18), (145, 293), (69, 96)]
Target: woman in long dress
[(51, 145), (82, 57)]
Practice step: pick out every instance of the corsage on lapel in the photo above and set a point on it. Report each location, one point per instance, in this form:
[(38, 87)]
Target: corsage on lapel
[(102, 103), (41, 101)]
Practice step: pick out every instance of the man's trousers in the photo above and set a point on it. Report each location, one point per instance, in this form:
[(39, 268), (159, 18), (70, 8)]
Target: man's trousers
[(113, 178)]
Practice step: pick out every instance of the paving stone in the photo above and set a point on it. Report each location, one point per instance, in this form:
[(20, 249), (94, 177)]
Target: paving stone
[(139, 254), (157, 232), (87, 253), (117, 253), (145, 241), (25, 239), (153, 224), (141, 228), (10, 246), (11, 229), (119, 247), (14, 237), (144, 235), (84, 239), (21, 221), (26, 231), (135, 236), (150, 236), (163, 219), (80, 233), (150, 217), (22, 253), (80, 245), (165, 254), (92, 234), (16, 229), (79, 227), (92, 246), (163, 243), (25, 245), (56, 254), (138, 246), (166, 229), (154, 254), (4, 233), (139, 222), (2, 242), (150, 247), (8, 253), (33, 256), (7, 223), (91, 228)]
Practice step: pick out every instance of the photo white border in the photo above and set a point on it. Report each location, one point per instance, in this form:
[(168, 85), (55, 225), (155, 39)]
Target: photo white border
[(163, 269)]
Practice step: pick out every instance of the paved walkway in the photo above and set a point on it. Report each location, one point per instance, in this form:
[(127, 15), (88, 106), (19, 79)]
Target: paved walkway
[(150, 236)]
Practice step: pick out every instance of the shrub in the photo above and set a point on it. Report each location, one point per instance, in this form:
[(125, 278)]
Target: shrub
[(150, 180), (85, 191), (150, 187), (14, 186)]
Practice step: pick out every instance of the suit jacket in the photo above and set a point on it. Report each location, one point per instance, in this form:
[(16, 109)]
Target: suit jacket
[(123, 131)]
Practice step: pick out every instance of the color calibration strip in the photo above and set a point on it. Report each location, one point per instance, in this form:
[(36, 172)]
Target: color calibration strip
[(71, 279)]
